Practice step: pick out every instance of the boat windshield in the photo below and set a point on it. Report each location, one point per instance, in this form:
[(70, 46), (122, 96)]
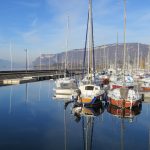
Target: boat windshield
[(89, 87)]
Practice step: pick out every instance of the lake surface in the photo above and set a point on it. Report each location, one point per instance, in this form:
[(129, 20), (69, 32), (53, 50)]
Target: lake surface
[(30, 119)]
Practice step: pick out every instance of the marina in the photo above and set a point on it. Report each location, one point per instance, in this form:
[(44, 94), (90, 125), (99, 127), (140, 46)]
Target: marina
[(89, 98), (40, 122)]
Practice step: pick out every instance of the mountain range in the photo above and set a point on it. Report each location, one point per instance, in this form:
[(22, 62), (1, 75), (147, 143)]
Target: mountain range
[(104, 56)]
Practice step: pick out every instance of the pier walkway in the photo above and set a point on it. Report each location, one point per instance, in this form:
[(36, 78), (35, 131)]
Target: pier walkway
[(23, 76)]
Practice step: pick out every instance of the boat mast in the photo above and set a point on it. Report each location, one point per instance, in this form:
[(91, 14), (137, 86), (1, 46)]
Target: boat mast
[(149, 60), (138, 58), (40, 60), (116, 53), (66, 55), (91, 42), (124, 63), (105, 57)]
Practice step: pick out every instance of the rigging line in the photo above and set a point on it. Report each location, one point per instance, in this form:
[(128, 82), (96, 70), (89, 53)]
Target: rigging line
[(83, 69)]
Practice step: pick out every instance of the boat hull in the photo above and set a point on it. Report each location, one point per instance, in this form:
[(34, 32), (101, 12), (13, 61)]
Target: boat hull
[(116, 86), (64, 91), (92, 102), (121, 85), (145, 89)]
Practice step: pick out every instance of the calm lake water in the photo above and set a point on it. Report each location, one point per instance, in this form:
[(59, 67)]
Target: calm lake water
[(30, 119)]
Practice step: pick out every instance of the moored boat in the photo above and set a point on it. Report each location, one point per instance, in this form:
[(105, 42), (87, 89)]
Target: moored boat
[(125, 81), (90, 94), (145, 87), (124, 97), (65, 86)]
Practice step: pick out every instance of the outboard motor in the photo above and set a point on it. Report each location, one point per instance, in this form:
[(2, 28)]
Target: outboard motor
[(76, 94)]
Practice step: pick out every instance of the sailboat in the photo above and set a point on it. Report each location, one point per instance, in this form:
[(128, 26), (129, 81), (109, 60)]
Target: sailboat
[(125, 96), (90, 93), (66, 86)]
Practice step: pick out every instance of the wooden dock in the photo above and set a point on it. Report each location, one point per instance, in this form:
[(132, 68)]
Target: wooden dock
[(22, 76)]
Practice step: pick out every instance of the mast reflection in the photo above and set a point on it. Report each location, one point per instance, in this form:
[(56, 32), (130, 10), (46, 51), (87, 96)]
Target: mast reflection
[(124, 114), (10, 99), (88, 116)]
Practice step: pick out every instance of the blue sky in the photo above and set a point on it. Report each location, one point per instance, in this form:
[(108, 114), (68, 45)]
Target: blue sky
[(40, 25)]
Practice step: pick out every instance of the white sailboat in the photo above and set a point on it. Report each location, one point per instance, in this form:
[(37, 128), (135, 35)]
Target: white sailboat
[(66, 86), (90, 94), (125, 96)]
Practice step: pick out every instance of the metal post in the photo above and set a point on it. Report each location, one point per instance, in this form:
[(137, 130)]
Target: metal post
[(49, 63), (26, 59), (11, 56), (40, 60)]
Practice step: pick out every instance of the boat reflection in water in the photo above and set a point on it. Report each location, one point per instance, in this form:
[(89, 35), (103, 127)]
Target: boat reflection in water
[(124, 113), (87, 115), (66, 100), (84, 114), (87, 111), (62, 97)]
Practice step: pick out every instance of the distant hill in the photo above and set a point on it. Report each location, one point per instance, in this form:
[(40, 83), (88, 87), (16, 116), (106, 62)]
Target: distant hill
[(6, 65), (104, 56)]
